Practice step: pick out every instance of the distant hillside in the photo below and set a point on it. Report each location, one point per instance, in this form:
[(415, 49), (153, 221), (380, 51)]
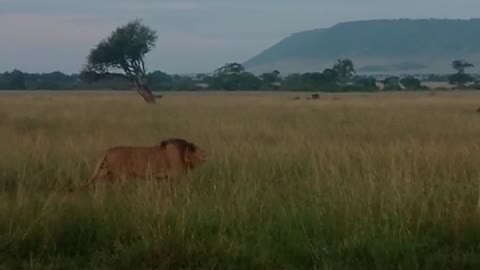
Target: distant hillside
[(377, 46)]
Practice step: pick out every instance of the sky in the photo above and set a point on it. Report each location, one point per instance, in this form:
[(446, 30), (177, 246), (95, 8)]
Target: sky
[(194, 36)]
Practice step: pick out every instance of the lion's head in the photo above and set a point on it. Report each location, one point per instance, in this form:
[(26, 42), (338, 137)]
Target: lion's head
[(192, 155)]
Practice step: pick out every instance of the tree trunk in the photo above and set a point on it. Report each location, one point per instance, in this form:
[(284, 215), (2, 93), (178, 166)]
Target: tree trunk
[(146, 94)]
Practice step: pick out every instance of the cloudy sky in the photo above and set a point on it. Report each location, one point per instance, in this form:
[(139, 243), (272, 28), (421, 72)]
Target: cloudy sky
[(194, 36)]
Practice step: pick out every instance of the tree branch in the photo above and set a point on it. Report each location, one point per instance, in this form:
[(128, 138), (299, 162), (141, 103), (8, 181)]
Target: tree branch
[(135, 64), (126, 67), (143, 65), (115, 75)]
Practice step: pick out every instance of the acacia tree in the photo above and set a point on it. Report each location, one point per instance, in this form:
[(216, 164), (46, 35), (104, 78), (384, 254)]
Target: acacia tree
[(344, 68), (123, 50), (230, 68), (461, 65), (460, 78)]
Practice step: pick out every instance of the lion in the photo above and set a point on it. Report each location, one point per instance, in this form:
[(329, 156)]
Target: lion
[(172, 158)]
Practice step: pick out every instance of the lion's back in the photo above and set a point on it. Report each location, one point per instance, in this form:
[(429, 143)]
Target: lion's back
[(134, 160)]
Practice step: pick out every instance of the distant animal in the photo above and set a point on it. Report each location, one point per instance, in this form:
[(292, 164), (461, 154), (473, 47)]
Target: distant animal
[(295, 98), (172, 158), (478, 110), (158, 96), (315, 96)]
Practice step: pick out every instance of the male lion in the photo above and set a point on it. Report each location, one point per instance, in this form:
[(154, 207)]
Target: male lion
[(171, 158)]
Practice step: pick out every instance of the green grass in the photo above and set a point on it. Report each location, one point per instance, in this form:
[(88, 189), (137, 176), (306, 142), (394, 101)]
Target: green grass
[(347, 182)]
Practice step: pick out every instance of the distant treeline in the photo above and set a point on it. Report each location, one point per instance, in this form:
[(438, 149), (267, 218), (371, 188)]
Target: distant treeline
[(231, 77)]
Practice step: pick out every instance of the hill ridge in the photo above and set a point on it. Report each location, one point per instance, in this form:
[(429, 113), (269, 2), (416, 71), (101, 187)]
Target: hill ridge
[(394, 45)]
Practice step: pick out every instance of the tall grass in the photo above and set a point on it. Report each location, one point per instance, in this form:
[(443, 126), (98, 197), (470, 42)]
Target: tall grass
[(350, 182)]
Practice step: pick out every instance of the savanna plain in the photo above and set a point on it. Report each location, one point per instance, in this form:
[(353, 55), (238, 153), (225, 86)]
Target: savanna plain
[(350, 181)]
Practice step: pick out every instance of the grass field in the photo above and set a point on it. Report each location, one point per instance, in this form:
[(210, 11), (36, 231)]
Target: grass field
[(354, 181)]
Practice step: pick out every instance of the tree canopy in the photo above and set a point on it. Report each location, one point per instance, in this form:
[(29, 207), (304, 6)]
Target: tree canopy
[(411, 83), (230, 68), (461, 65), (344, 68), (460, 78)]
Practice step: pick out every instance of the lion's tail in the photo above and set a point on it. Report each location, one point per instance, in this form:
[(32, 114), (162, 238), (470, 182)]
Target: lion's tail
[(95, 174)]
